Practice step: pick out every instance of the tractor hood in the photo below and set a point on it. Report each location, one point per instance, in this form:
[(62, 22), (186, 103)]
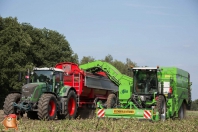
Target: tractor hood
[(28, 89)]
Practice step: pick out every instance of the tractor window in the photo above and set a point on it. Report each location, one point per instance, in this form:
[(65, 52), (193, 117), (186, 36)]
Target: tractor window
[(145, 81), (42, 76)]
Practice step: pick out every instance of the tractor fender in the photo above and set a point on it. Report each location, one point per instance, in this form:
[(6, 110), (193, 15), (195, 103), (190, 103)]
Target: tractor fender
[(68, 89)]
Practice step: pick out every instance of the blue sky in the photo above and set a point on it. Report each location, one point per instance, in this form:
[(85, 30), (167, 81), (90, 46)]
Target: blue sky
[(151, 33)]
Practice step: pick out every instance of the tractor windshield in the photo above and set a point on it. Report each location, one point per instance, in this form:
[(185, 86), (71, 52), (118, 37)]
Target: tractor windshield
[(145, 81), (42, 76)]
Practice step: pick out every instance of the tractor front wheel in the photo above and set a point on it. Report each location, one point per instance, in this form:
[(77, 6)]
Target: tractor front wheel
[(161, 107), (111, 101), (8, 106), (47, 107)]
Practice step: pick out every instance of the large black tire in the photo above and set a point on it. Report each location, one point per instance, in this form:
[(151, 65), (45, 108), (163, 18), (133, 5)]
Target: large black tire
[(71, 106), (111, 101), (8, 107), (47, 107), (161, 107), (182, 111), (32, 115)]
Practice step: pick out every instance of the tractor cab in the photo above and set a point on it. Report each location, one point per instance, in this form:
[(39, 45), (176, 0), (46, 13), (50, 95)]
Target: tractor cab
[(52, 77)]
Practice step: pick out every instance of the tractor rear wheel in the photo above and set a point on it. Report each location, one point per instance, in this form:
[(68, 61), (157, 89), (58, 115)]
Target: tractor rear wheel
[(71, 106), (8, 107), (161, 107), (47, 107), (111, 101), (182, 111)]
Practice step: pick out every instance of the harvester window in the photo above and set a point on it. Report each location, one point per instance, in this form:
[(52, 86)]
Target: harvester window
[(145, 81)]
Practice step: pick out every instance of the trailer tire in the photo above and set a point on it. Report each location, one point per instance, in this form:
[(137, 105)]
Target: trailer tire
[(111, 101), (182, 111), (161, 107), (8, 107), (47, 107)]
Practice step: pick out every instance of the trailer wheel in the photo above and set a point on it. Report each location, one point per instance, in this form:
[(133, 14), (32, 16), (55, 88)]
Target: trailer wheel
[(47, 107), (71, 105), (161, 107), (8, 107), (182, 111), (111, 101)]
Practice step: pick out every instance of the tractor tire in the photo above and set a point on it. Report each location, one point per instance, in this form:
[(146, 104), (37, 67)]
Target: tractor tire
[(111, 101), (161, 107), (32, 115), (71, 106), (47, 107), (8, 107), (182, 111)]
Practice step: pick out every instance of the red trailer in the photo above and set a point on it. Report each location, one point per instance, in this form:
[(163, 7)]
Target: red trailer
[(89, 87)]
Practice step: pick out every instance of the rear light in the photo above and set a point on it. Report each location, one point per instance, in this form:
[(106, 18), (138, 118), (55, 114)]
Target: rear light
[(170, 90)]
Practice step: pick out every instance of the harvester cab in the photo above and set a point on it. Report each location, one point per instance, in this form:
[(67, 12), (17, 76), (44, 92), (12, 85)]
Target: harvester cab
[(145, 84)]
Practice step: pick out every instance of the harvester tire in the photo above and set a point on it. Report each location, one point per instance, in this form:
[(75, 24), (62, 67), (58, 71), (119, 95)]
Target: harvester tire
[(47, 107), (182, 111), (111, 101), (71, 106), (8, 107), (32, 115), (161, 107)]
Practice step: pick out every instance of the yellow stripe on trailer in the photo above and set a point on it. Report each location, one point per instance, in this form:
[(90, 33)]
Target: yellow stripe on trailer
[(123, 111)]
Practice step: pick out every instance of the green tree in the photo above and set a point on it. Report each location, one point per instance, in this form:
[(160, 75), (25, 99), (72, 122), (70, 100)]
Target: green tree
[(23, 47), (194, 105), (86, 59)]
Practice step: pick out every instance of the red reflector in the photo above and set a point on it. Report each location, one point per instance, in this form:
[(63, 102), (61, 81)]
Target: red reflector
[(170, 90)]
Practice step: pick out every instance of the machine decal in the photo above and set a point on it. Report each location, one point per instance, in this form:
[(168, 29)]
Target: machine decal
[(123, 111)]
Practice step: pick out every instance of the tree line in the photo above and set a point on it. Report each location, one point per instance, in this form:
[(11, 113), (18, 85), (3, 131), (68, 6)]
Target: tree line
[(23, 47)]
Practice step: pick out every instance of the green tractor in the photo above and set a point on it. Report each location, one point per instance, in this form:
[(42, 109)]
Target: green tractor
[(45, 97)]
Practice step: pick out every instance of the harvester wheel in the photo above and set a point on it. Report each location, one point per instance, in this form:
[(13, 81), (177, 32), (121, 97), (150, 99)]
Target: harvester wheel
[(71, 105), (111, 101), (47, 107), (161, 107), (8, 107), (182, 111)]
